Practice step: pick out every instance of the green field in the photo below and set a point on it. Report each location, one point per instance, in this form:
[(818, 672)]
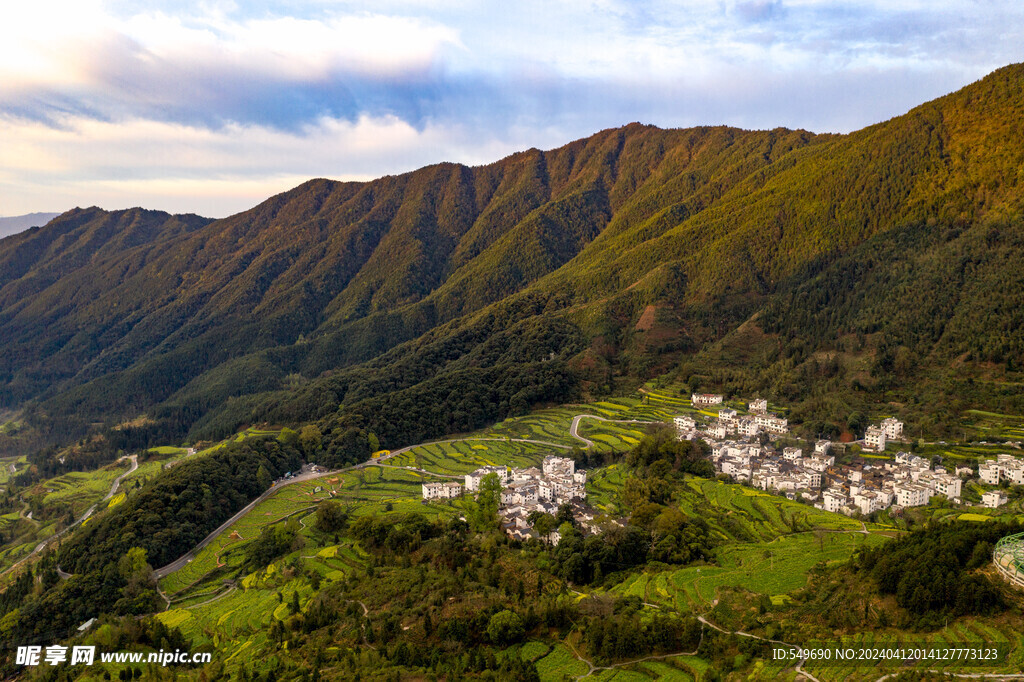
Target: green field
[(769, 568), (462, 457), (363, 491)]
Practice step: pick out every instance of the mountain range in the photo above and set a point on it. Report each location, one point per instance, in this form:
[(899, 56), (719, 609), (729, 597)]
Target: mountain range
[(873, 271)]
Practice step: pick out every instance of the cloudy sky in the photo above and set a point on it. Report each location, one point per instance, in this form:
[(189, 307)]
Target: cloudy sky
[(210, 107)]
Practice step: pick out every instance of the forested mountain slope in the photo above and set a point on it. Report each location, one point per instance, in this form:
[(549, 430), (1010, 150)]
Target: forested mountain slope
[(546, 272)]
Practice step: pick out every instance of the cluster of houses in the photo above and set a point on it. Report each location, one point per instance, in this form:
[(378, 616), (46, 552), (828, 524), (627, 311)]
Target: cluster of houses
[(994, 471), (729, 422), (908, 481), (866, 487), (527, 490), (877, 435)]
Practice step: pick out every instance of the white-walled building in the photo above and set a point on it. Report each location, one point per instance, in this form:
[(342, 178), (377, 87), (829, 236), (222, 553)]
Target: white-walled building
[(684, 423), (1008, 467), (821, 447), (912, 494), (747, 426), (699, 399), (833, 500), (874, 439), (758, 406), (473, 479), (993, 499), (441, 491), (893, 428)]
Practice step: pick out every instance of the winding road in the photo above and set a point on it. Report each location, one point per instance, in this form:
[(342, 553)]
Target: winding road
[(88, 512), (575, 426)]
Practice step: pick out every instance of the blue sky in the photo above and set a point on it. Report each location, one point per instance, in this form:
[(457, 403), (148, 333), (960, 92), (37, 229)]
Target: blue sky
[(212, 106)]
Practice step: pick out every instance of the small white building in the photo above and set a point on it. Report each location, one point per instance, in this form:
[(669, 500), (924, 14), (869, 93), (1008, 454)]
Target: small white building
[(912, 495), (792, 454), (747, 426), (716, 431), (833, 500), (441, 491), (821, 447), (993, 499), (473, 479), (874, 439), (684, 423), (758, 406), (893, 428), (700, 399)]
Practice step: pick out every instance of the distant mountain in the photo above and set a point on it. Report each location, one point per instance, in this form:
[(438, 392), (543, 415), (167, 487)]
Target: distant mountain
[(817, 267), (15, 224)]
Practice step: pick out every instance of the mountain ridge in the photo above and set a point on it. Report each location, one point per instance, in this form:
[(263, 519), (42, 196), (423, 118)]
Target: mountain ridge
[(699, 228)]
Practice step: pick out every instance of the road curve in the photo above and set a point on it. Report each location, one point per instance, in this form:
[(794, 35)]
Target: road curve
[(86, 515), (574, 427)]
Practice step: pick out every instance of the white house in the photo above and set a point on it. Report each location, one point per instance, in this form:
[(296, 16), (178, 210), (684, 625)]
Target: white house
[(893, 428), (993, 499), (727, 417), (792, 454), (821, 447), (716, 431), (748, 427), (758, 406), (473, 479), (874, 439), (912, 495), (441, 491), (684, 423), (705, 399), (833, 500)]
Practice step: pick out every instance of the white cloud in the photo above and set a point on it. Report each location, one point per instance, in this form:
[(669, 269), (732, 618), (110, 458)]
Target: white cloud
[(215, 172), (165, 101)]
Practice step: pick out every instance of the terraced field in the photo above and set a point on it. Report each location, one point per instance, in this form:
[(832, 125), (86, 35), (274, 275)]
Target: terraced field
[(769, 568), (462, 457), (79, 489), (363, 491)]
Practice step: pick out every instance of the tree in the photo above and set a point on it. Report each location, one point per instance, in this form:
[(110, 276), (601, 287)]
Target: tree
[(544, 524), (263, 478), (288, 437), (330, 517), (133, 564), (310, 440), (505, 627), (487, 500)]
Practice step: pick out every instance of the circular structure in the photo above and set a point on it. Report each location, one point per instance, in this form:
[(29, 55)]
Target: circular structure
[(1008, 557)]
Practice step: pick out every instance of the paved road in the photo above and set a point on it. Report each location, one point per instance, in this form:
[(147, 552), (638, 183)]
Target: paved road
[(86, 515), (184, 559), (181, 561), (574, 427)]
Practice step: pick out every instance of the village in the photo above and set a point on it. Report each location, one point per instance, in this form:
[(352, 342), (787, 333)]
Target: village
[(810, 473), (527, 492), (756, 449)]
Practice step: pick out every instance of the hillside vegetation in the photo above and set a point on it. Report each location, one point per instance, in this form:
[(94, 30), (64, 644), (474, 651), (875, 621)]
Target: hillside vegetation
[(839, 272)]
